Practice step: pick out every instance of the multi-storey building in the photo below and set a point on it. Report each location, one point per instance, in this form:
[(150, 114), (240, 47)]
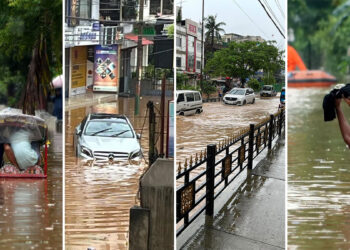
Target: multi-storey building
[(230, 37), (101, 42), (188, 47)]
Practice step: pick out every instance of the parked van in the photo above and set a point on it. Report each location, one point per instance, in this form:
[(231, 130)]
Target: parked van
[(188, 102)]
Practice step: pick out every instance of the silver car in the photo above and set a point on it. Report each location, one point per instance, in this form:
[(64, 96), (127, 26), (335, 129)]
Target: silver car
[(107, 137)]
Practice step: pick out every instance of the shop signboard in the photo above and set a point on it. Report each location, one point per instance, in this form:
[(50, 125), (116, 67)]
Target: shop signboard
[(86, 35), (191, 27), (106, 68), (78, 70)]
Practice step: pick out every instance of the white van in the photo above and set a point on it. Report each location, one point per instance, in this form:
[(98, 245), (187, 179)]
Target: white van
[(188, 102)]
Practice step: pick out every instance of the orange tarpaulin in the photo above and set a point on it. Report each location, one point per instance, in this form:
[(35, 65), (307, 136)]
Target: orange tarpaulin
[(294, 60)]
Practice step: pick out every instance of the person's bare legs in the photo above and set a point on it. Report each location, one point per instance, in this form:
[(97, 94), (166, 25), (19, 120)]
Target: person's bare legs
[(10, 155)]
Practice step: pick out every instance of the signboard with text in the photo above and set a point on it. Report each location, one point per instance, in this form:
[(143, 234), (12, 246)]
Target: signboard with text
[(191, 28), (106, 68), (78, 70)]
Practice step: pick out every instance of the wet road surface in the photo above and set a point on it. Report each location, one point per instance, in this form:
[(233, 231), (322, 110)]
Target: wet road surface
[(98, 198), (318, 175), (31, 209), (194, 133)]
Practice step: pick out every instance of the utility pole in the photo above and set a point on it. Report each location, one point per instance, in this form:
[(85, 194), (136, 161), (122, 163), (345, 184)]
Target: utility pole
[(162, 117), (202, 45), (139, 58)]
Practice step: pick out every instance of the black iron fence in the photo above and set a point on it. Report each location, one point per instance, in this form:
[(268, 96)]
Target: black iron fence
[(205, 176)]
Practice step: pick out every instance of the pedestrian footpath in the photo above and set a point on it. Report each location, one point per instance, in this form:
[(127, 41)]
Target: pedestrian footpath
[(253, 217), (88, 99)]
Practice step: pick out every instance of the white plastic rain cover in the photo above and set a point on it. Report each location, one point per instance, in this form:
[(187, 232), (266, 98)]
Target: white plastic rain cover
[(12, 122)]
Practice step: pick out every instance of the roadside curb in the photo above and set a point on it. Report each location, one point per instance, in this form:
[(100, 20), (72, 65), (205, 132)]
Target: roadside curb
[(81, 101)]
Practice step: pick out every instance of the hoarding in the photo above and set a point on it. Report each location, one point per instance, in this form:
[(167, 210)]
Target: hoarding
[(106, 68), (78, 70)]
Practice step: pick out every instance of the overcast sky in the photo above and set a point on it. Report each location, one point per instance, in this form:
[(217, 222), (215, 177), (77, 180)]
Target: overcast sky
[(236, 21)]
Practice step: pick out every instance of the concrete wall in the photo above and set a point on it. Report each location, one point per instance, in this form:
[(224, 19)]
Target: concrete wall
[(157, 196)]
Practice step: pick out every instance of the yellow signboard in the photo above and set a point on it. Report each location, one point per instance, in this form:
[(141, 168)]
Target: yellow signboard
[(78, 73)]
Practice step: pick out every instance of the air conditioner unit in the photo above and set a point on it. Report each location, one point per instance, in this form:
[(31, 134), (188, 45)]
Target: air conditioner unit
[(111, 35)]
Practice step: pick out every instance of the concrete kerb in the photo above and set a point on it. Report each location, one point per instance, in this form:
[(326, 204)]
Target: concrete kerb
[(89, 99)]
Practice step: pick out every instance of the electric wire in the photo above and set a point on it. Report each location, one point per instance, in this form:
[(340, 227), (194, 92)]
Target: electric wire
[(257, 26), (272, 19)]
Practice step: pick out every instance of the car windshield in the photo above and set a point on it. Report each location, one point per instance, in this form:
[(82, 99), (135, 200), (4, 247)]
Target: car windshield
[(267, 88), (237, 92), (109, 128)]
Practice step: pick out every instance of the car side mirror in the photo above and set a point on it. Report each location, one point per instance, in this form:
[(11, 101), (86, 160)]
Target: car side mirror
[(77, 131), (138, 136)]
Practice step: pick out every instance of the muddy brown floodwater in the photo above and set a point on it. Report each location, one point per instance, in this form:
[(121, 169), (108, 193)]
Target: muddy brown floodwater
[(318, 175), (31, 209), (98, 198), (194, 133)]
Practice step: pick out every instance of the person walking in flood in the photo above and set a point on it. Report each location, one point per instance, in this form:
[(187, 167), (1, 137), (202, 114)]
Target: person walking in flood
[(332, 108), (343, 124)]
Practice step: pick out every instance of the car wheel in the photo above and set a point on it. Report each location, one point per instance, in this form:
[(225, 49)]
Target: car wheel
[(198, 111), (245, 102), (182, 113), (253, 101)]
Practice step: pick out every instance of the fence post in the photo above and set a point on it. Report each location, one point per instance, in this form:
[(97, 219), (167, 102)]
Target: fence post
[(210, 180), (270, 132), (280, 118), (251, 146), (152, 156)]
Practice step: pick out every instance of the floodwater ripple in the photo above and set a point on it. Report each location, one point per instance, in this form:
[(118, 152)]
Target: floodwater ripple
[(318, 175)]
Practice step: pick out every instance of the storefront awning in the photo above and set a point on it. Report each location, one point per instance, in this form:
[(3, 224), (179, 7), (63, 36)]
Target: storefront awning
[(134, 38)]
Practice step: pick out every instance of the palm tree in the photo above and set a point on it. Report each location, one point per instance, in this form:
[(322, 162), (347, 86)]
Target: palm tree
[(213, 30)]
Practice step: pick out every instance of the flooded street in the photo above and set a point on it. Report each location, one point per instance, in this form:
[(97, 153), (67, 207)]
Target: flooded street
[(98, 198), (318, 175), (31, 209), (194, 133)]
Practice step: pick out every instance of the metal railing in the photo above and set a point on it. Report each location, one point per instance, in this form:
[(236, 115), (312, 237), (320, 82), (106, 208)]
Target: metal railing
[(206, 176)]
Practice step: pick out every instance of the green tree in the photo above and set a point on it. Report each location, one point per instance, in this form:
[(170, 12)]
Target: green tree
[(30, 45), (254, 84), (319, 44), (213, 30), (207, 88), (243, 59)]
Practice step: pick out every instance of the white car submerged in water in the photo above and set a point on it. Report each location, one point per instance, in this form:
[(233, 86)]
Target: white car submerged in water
[(239, 96), (106, 137)]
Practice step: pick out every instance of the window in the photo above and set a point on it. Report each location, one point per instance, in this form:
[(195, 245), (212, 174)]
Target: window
[(178, 61), (190, 97), (110, 10), (178, 41), (199, 47), (85, 8), (197, 96), (180, 98), (154, 7), (190, 60), (109, 129), (167, 7), (198, 64)]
